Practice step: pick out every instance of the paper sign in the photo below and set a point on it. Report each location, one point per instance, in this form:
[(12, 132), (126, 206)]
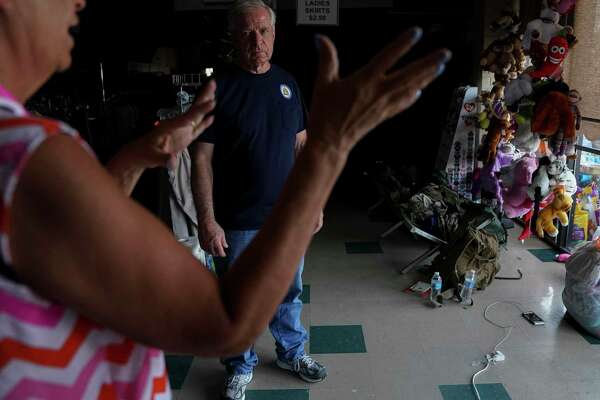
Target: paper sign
[(317, 12)]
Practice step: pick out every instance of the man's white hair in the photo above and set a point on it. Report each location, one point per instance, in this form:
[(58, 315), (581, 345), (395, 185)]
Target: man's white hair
[(241, 7)]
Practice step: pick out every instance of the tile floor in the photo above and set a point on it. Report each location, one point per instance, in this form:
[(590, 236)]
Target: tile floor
[(380, 343)]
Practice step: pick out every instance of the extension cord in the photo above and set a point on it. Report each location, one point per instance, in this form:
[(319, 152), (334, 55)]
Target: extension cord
[(496, 356)]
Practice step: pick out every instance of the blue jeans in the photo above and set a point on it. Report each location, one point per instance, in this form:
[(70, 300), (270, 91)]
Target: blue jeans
[(285, 326)]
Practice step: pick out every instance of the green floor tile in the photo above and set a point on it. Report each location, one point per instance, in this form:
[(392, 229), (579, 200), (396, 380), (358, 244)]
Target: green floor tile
[(488, 391), (337, 339), (305, 296), (178, 367), (589, 338), (363, 248), (544, 255), (292, 394)]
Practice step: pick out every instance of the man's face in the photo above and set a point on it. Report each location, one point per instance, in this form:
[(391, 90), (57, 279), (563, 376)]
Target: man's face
[(44, 30), (254, 37)]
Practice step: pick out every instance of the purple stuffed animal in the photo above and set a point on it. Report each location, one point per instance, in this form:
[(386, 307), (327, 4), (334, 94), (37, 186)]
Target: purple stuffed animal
[(489, 173), (516, 200), (566, 6)]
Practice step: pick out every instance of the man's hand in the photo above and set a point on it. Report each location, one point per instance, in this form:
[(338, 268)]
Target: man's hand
[(319, 224), (163, 144), (212, 239)]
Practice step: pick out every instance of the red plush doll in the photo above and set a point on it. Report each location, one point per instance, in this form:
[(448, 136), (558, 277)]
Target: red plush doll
[(558, 48)]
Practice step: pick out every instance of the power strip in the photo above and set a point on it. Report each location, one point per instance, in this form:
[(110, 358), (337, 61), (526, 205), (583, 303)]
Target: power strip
[(496, 357)]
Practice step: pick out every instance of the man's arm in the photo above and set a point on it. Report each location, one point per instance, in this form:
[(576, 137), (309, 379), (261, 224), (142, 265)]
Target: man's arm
[(212, 236)]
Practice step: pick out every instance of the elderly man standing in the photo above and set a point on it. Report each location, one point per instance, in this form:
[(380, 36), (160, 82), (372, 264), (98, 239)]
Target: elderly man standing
[(239, 168)]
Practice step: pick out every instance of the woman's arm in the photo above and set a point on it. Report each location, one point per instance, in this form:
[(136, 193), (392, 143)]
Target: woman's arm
[(100, 253)]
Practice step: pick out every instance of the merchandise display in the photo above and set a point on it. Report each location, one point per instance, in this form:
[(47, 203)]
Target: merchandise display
[(534, 111), (586, 218)]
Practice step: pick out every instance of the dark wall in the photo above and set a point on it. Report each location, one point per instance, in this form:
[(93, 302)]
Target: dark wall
[(413, 137), (115, 32)]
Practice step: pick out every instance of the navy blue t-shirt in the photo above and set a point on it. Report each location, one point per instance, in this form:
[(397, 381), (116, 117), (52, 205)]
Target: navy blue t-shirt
[(257, 118)]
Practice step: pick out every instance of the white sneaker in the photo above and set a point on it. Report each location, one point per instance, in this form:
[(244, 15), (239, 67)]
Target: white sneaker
[(306, 367), (235, 386)]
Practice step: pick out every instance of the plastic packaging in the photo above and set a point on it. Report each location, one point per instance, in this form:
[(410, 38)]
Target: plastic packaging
[(581, 296)]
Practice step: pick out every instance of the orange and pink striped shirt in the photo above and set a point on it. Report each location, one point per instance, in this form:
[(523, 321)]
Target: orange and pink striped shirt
[(48, 351)]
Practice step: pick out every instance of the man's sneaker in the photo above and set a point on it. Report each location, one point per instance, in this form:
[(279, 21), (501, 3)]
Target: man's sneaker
[(306, 368), (235, 386)]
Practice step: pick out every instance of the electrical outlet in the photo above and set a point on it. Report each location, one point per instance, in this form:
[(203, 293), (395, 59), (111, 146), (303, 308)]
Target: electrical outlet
[(497, 356)]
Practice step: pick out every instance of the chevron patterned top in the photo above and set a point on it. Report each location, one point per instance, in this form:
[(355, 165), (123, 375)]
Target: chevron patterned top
[(48, 351)]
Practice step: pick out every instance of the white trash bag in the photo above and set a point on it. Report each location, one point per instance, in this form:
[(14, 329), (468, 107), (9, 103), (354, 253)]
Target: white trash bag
[(582, 287)]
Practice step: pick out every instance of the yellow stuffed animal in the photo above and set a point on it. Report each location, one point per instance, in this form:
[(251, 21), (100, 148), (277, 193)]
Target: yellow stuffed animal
[(559, 208)]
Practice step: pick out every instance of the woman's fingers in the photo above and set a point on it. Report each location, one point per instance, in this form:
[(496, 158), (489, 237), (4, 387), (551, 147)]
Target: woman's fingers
[(203, 105), (197, 119), (403, 101), (329, 65), (394, 51), (197, 113), (207, 93), (418, 74), (206, 122)]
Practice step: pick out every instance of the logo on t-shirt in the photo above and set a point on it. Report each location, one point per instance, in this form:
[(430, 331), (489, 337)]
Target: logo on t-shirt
[(286, 91)]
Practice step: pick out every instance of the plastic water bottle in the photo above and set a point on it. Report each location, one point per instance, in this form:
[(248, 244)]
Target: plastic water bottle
[(436, 287), (467, 288)]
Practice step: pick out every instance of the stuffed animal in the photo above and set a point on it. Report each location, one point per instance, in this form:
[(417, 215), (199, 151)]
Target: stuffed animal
[(569, 33), (559, 144), (498, 59), (558, 49), (488, 177), (526, 141), (505, 63), (526, 232), (485, 99), (552, 113), (496, 95), (574, 100), (517, 89), (568, 145), (499, 128), (487, 152), (493, 105), (561, 175), (559, 208), (517, 179), (490, 185), (565, 7), (508, 23), (542, 29), (519, 53), (489, 56), (504, 58), (540, 180), (538, 34)]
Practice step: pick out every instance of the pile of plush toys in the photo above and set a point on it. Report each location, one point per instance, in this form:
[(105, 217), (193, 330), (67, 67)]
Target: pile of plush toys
[(532, 119)]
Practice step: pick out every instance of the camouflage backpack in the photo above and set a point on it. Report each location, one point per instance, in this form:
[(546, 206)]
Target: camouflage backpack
[(475, 250)]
